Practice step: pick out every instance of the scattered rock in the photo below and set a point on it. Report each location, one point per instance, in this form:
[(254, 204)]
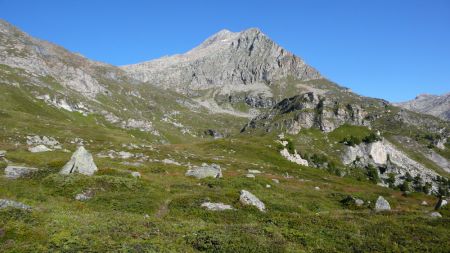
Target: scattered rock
[(136, 174), (86, 195), (216, 206), (254, 171), (317, 188), (435, 215), (2, 153), (169, 161), (350, 202), (359, 202), (14, 172), (441, 203), (250, 175), (248, 198), (276, 181), (205, 170), (382, 204), (81, 162), (268, 186), (424, 203), (5, 203)]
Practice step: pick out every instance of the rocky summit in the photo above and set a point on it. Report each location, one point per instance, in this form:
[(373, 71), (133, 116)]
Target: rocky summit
[(237, 145)]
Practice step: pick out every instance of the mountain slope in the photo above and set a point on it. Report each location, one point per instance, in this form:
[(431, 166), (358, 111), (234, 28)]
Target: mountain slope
[(435, 105)]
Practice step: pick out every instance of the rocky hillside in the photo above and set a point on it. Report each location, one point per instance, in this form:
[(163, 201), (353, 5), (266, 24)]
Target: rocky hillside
[(435, 105)]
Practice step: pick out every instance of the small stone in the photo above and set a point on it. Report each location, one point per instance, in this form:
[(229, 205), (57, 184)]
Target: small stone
[(424, 203), (254, 171), (276, 181), (359, 202), (268, 186), (248, 198), (216, 206), (317, 188), (136, 174), (5, 203), (382, 204), (250, 176), (14, 172), (2, 153), (435, 215), (86, 195)]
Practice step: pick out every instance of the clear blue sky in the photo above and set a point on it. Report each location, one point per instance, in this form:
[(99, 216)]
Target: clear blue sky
[(390, 49)]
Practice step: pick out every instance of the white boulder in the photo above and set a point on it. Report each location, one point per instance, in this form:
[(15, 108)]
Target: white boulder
[(216, 206), (39, 149), (81, 162), (248, 198), (382, 204), (204, 171)]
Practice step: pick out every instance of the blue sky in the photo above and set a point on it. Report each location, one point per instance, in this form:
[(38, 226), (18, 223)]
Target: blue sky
[(389, 49)]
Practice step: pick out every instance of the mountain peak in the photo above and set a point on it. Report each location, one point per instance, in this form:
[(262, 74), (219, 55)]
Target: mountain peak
[(225, 58)]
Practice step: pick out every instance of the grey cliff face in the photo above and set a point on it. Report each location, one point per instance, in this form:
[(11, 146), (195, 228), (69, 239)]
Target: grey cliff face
[(226, 58), (438, 106), (306, 111)]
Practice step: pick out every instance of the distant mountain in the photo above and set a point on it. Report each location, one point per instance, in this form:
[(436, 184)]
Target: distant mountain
[(435, 105)]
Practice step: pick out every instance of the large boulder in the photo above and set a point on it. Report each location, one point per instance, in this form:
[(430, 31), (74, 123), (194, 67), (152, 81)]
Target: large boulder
[(14, 172), (382, 204), (81, 162), (5, 203), (441, 203), (205, 170), (248, 198), (216, 206)]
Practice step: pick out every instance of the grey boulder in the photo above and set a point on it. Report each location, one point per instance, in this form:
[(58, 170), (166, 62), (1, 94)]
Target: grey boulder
[(248, 198), (204, 171), (382, 204), (5, 203), (14, 172), (81, 162)]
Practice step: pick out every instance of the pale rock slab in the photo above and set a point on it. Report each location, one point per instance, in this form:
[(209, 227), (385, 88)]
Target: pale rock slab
[(15, 172), (216, 206)]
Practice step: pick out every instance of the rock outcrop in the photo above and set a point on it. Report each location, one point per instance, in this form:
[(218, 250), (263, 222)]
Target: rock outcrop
[(306, 111), (248, 198), (14, 172), (205, 170), (81, 162), (388, 159), (382, 204)]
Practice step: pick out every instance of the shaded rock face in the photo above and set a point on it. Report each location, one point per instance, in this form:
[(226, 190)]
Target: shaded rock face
[(5, 203), (14, 172), (81, 162), (204, 171), (248, 198), (226, 58), (438, 106), (216, 206), (382, 204), (306, 111), (377, 154)]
